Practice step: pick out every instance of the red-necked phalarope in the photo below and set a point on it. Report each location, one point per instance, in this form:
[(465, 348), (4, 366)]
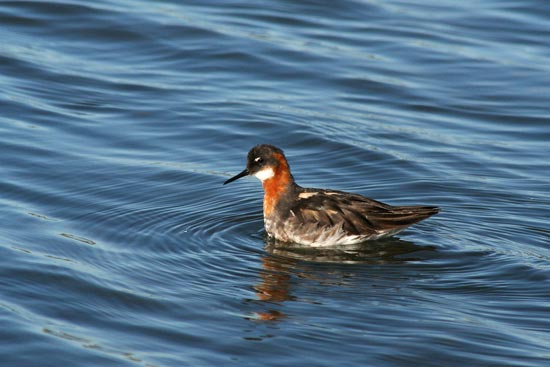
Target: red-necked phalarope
[(320, 217)]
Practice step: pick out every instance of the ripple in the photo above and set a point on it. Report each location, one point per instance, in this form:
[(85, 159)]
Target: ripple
[(77, 238)]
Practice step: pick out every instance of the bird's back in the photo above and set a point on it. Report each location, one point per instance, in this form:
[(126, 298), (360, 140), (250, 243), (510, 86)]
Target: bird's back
[(326, 217)]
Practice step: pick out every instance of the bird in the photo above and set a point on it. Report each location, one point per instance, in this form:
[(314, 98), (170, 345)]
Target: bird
[(321, 217)]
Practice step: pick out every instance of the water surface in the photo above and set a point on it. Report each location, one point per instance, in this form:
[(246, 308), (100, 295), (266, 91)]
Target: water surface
[(120, 120)]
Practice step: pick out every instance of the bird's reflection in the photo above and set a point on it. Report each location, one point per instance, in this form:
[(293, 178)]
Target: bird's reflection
[(373, 252), (287, 261)]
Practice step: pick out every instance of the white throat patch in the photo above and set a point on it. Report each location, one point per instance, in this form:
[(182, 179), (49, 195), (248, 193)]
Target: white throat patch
[(265, 174)]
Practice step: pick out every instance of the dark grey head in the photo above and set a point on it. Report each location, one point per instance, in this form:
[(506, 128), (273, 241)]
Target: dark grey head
[(262, 162)]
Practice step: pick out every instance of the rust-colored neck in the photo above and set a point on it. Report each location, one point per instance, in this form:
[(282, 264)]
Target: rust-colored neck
[(277, 185)]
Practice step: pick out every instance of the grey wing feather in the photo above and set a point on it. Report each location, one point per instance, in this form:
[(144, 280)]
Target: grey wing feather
[(358, 215)]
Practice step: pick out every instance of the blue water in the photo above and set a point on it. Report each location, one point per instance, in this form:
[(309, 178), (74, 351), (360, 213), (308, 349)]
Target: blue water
[(120, 120)]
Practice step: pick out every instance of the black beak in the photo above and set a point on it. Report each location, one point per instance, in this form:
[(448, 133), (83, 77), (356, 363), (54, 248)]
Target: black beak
[(242, 174)]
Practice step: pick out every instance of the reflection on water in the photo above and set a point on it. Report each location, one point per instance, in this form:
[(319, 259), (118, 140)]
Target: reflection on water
[(391, 250), (286, 260), (274, 286)]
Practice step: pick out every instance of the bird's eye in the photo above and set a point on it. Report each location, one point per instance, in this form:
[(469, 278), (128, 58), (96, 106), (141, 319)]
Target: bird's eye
[(259, 160)]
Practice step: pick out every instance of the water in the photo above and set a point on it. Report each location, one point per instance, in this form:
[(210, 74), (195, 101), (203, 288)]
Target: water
[(121, 119)]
